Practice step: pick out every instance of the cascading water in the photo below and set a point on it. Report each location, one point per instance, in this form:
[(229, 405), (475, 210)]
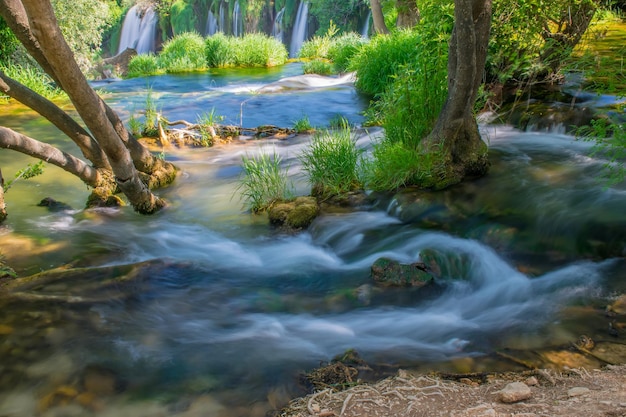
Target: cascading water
[(139, 30), (211, 25), (298, 36), (221, 25), (277, 27), (237, 20), (365, 32)]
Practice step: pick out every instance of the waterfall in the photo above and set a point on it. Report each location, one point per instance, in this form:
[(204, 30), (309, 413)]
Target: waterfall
[(237, 21), (211, 25), (366, 27), (277, 27), (221, 19), (299, 29), (139, 30)]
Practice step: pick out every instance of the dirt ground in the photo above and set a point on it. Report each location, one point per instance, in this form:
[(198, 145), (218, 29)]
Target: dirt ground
[(573, 393)]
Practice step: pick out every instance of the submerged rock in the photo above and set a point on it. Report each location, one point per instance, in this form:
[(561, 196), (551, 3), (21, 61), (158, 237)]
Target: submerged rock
[(390, 273)]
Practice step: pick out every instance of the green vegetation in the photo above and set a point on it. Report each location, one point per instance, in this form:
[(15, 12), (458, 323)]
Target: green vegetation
[(331, 163), (34, 78), (143, 65), (303, 125), (318, 66), (346, 15), (206, 126), (31, 171), (264, 181), (251, 50), (183, 53), (8, 42), (343, 48), (609, 137)]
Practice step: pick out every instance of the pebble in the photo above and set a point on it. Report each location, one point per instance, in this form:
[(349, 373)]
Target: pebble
[(514, 392), (577, 391), (532, 381)]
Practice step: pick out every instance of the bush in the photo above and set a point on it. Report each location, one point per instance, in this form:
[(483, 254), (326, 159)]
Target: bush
[(378, 62), (264, 182), (331, 163), (259, 50), (183, 53), (318, 66), (251, 50), (343, 48), (143, 65), (219, 51)]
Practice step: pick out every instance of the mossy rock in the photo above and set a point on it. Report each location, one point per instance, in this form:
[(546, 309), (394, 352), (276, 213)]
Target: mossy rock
[(296, 214), (390, 273)]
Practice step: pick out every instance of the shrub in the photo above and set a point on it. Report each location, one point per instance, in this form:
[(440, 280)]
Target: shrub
[(331, 163), (264, 181), (343, 48), (143, 65), (378, 62), (303, 125), (182, 53), (318, 66), (259, 50), (219, 51), (317, 47)]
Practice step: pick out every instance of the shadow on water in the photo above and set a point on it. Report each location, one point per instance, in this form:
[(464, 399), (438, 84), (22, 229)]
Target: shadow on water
[(206, 307)]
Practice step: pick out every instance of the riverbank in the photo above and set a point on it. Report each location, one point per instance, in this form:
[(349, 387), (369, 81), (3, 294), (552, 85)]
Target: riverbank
[(575, 392)]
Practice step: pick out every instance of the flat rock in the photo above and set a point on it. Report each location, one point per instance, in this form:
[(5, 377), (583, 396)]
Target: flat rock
[(514, 392)]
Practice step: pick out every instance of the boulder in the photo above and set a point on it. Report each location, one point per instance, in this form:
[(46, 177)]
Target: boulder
[(296, 214), (514, 392), (390, 273)]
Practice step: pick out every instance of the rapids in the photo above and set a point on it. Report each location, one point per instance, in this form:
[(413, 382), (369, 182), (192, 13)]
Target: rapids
[(228, 307)]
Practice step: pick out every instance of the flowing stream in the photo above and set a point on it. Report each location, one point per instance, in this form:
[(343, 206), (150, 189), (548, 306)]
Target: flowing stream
[(221, 311)]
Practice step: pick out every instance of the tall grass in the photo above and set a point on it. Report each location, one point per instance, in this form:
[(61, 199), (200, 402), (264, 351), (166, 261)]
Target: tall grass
[(318, 66), (183, 53), (251, 50), (331, 163), (143, 65), (343, 48), (264, 181), (35, 79)]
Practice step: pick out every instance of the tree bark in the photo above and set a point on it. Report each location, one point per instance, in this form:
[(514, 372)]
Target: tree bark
[(456, 131), (408, 13), (10, 139), (89, 147), (90, 107), (378, 18)]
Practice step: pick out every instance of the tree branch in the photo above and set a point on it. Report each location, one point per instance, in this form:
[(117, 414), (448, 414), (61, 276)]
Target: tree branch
[(10, 139)]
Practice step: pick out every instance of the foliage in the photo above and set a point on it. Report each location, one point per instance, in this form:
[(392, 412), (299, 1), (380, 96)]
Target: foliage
[(302, 125), (151, 119), (143, 65), (343, 48), (34, 78), (206, 126), (251, 50), (318, 66), (331, 162), (345, 14), (394, 165), (31, 171), (183, 53), (219, 51), (182, 17), (83, 23), (317, 47), (264, 181), (259, 50), (378, 62), (8, 42), (609, 139)]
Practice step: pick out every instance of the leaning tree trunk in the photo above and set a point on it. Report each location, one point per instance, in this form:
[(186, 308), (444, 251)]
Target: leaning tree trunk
[(456, 132), (88, 104), (408, 13), (156, 170), (378, 18)]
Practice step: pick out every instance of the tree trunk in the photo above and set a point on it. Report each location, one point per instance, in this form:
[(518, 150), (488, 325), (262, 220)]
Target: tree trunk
[(10, 139), (456, 132), (89, 147), (408, 13), (3, 208), (90, 107), (378, 18)]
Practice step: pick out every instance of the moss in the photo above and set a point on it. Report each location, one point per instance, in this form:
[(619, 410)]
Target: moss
[(296, 214)]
